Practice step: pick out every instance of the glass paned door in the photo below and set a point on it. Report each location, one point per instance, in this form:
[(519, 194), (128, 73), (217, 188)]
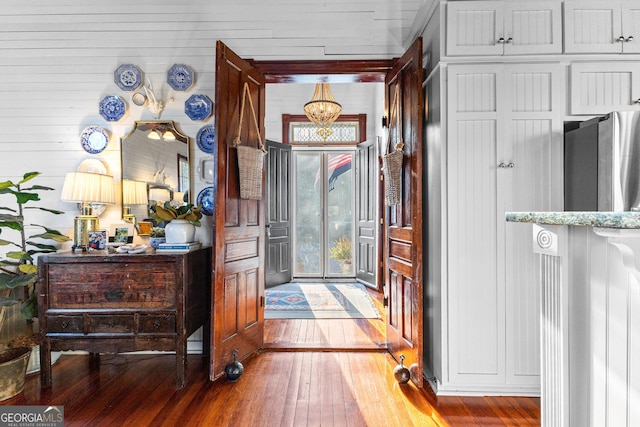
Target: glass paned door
[(323, 213)]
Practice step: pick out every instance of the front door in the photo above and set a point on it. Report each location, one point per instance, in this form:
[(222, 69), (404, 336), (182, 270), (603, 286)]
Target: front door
[(403, 257), (323, 188), (278, 213), (237, 318)]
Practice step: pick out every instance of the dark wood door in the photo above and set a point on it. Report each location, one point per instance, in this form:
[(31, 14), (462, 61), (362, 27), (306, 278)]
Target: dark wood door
[(366, 213), (403, 257), (238, 231), (278, 214)]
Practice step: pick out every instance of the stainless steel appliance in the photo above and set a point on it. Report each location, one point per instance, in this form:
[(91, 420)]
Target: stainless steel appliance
[(602, 164)]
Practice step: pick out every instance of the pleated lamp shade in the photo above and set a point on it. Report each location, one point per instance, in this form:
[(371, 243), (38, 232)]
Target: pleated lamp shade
[(134, 192), (83, 187)]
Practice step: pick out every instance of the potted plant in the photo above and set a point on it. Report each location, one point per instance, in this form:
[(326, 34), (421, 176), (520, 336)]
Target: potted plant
[(341, 251), (18, 271), (180, 220)]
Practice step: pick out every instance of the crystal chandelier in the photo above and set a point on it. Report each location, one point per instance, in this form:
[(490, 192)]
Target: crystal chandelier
[(322, 109)]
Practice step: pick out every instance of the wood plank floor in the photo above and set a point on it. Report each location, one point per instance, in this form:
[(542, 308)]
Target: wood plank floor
[(307, 388), (300, 380)]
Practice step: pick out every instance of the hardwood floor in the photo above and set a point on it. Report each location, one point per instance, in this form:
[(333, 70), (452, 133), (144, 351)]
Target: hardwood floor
[(350, 387), (277, 389)]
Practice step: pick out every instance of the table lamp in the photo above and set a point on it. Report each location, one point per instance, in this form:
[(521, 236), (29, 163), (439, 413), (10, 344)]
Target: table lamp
[(86, 188), (133, 193)]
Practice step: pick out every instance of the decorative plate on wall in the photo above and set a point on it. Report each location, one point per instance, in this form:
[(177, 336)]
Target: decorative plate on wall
[(94, 139), (180, 77), (112, 108), (205, 170), (205, 198), (139, 98), (198, 107), (206, 138), (128, 77)]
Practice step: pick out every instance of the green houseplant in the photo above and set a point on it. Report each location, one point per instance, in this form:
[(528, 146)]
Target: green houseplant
[(341, 250), (18, 271)]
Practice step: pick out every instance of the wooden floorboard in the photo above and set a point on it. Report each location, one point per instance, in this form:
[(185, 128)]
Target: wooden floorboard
[(276, 389), (322, 372)]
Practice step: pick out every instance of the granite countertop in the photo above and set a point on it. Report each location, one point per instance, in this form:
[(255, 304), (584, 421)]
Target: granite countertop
[(622, 220)]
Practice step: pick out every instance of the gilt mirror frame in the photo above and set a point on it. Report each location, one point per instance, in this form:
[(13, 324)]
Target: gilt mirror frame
[(160, 162)]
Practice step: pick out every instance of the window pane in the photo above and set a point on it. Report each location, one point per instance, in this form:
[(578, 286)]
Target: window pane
[(308, 187), (339, 215)]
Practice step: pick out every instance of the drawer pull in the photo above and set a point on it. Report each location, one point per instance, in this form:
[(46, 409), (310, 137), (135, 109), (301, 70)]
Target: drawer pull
[(156, 325), (112, 296), (65, 324), (111, 323)]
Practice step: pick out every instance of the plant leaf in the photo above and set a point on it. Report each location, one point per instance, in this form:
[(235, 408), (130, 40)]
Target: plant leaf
[(53, 211), (29, 308), (42, 246), (11, 224), (28, 268), (52, 235), (21, 255), (5, 185), (8, 302), (19, 280), (23, 198), (28, 177)]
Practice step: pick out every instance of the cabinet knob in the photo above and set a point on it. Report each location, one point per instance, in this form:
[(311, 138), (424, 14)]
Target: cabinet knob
[(511, 165), (509, 40), (637, 101), (629, 39), (502, 165), (501, 40), (620, 39)]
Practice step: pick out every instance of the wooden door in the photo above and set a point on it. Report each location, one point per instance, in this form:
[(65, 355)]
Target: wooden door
[(366, 213), (237, 317), (278, 214), (403, 257)]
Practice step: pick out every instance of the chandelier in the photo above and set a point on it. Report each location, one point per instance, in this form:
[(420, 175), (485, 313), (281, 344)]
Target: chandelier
[(322, 109)]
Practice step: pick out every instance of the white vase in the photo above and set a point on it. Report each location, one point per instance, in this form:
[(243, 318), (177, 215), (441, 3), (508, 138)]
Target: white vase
[(179, 231)]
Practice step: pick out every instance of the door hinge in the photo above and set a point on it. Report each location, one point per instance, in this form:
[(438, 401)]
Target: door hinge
[(263, 301), (385, 301)]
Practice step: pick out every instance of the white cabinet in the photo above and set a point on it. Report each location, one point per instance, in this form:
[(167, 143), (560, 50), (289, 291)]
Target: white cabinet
[(503, 27), (602, 26), (602, 87), (504, 153)]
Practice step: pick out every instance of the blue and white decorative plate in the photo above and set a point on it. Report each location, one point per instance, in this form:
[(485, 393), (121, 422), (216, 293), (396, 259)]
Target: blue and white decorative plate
[(112, 108), (206, 138), (198, 107), (94, 139), (180, 77), (128, 77), (205, 198)]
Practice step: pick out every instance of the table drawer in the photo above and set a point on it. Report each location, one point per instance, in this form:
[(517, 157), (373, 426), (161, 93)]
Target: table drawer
[(149, 285), (149, 324), (65, 324), (111, 324)]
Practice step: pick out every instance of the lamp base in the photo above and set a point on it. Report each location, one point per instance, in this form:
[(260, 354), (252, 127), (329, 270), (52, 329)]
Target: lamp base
[(82, 226)]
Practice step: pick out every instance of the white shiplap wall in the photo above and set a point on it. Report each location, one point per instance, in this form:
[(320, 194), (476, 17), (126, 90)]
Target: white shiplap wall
[(57, 61)]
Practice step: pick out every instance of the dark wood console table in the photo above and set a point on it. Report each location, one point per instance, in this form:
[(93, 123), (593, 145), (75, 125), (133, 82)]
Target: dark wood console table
[(112, 303)]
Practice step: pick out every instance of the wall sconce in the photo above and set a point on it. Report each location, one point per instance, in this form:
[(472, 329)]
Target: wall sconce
[(86, 188), (133, 193)]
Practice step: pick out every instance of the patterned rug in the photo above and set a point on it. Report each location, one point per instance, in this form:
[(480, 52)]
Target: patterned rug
[(320, 301)]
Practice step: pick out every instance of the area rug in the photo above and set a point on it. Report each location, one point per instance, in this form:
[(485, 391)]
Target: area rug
[(319, 301)]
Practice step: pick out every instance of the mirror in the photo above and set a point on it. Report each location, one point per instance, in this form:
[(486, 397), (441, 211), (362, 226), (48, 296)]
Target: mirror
[(155, 167)]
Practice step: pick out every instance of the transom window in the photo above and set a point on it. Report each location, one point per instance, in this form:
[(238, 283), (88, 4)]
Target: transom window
[(348, 129)]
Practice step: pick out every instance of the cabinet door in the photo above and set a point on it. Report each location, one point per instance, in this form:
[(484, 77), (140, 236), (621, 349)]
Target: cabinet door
[(475, 287), (532, 182), (593, 26), (602, 87), (631, 26), (474, 28), (532, 27)]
